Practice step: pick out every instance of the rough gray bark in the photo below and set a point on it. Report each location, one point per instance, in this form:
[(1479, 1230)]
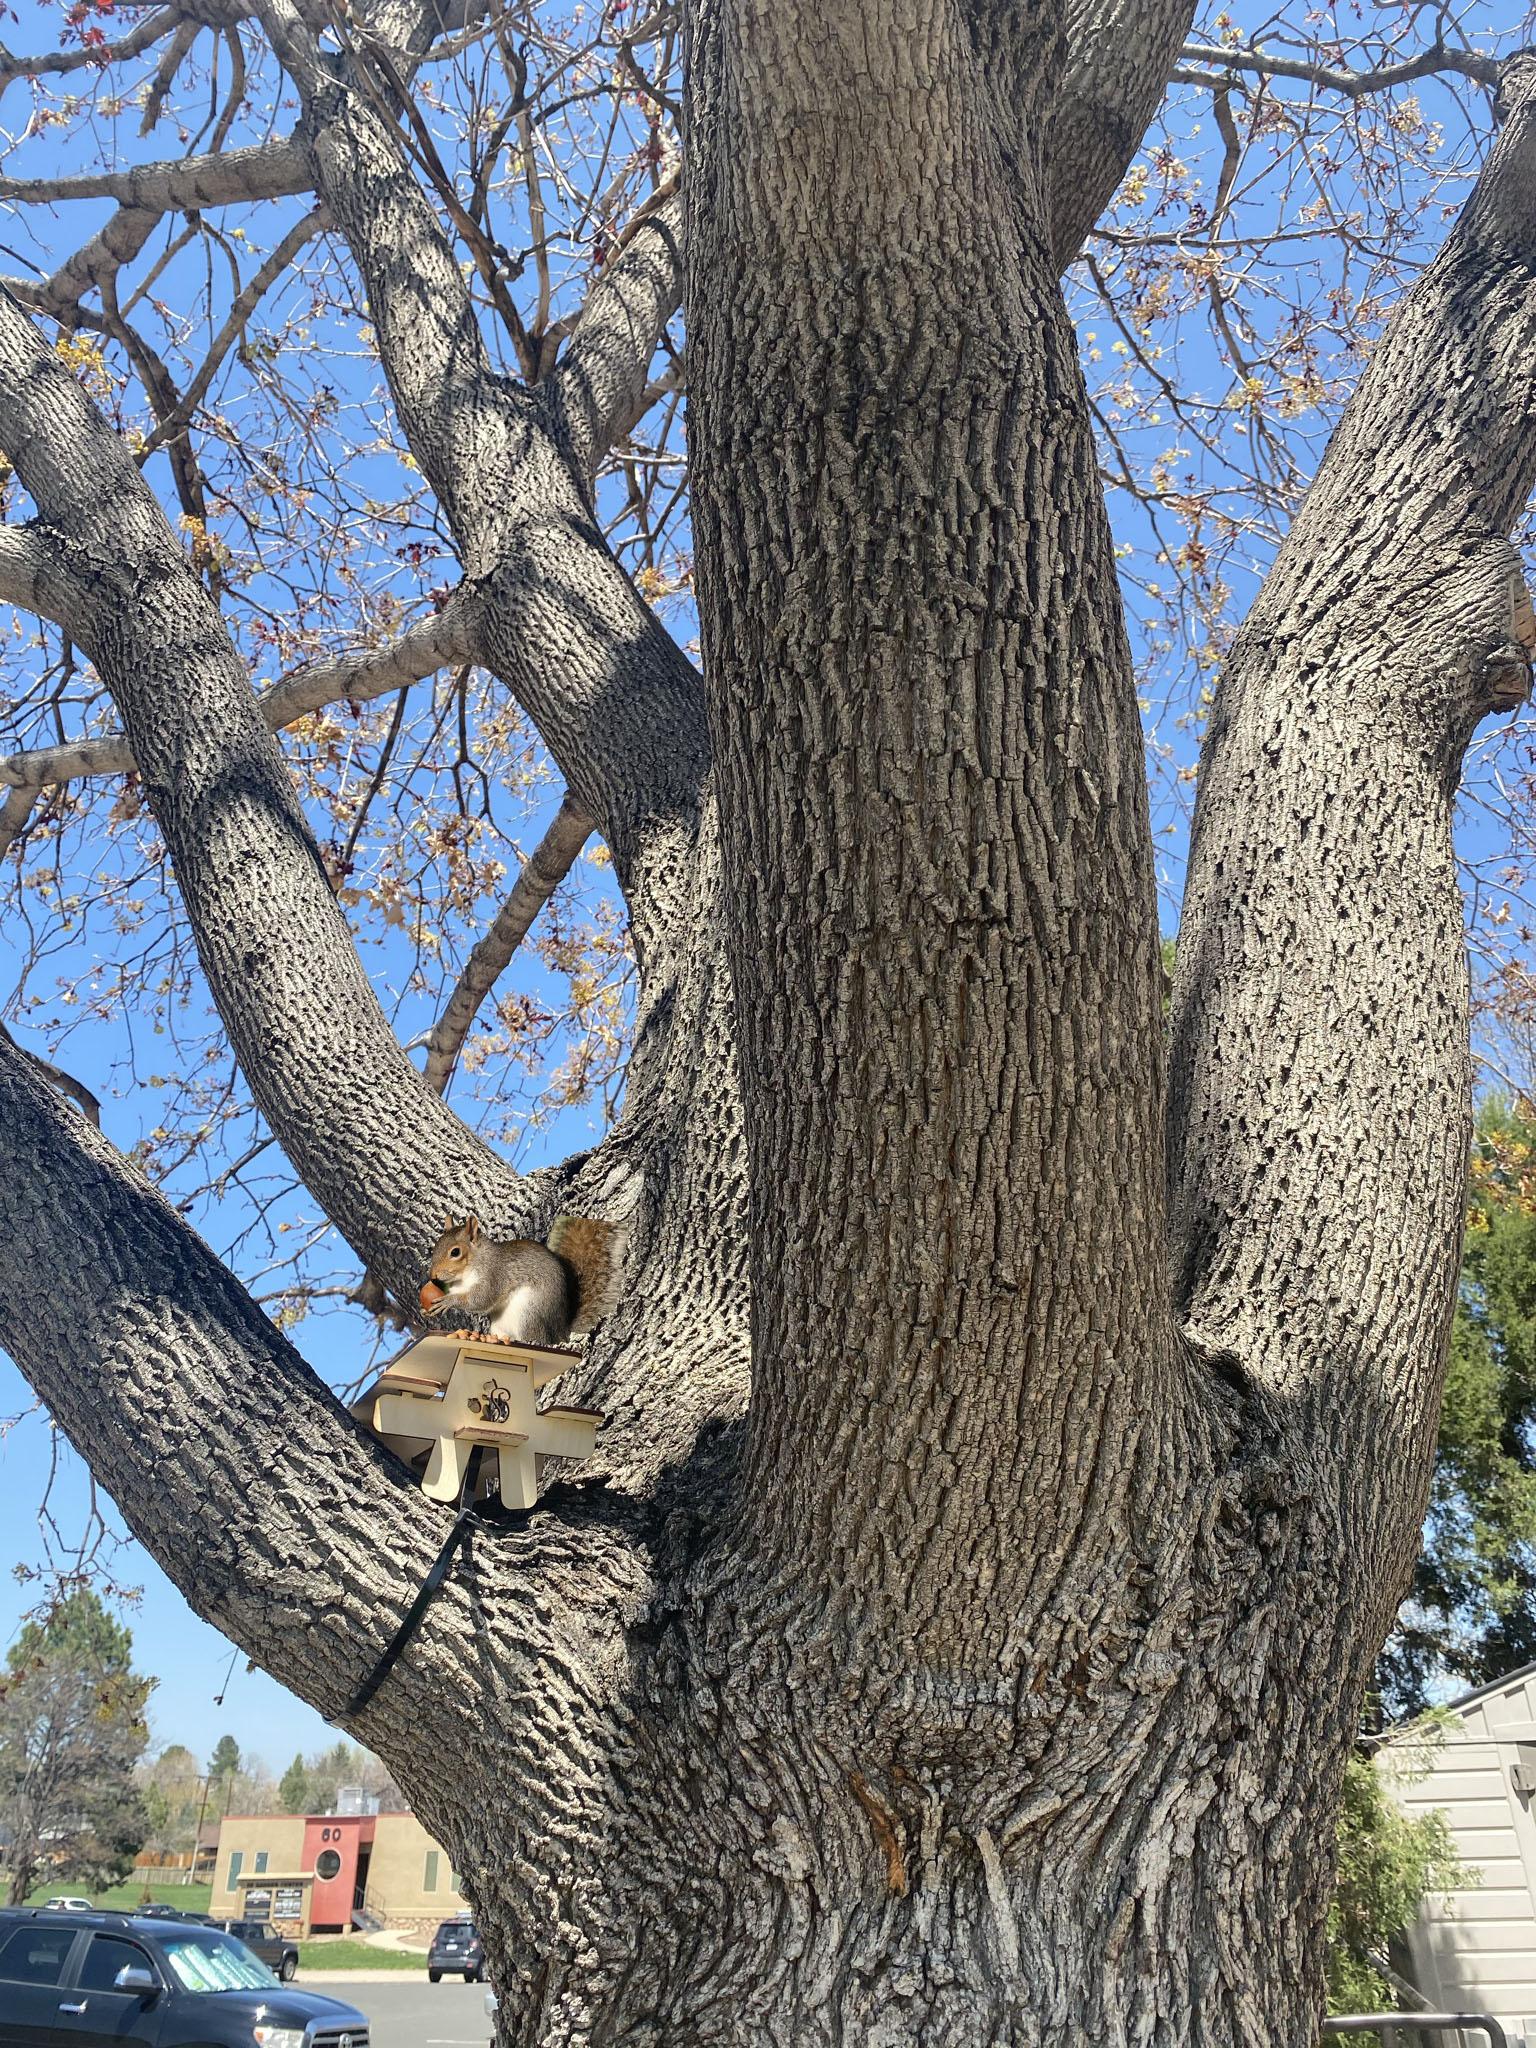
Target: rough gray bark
[(1118, 57), (988, 1684), (1321, 1079), (546, 868)]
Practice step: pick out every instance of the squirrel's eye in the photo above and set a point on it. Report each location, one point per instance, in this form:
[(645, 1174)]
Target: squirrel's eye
[(457, 1252)]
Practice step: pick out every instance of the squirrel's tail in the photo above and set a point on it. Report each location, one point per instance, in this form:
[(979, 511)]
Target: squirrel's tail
[(594, 1252)]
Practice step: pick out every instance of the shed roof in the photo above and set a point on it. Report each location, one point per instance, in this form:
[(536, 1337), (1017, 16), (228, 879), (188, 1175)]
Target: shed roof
[(1465, 1699)]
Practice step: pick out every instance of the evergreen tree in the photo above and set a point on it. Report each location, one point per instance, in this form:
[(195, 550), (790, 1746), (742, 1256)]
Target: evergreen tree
[(72, 1731), (293, 1790), (225, 1761), (1471, 1614)]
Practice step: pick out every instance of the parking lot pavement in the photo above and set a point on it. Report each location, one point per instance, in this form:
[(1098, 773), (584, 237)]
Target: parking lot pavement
[(416, 2014)]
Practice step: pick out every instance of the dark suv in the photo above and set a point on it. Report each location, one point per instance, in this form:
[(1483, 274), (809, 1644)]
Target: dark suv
[(455, 1947), (140, 1983), (264, 1942)]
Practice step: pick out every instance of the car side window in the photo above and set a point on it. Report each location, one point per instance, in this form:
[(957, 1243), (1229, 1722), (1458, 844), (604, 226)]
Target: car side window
[(36, 1955), (107, 1954)]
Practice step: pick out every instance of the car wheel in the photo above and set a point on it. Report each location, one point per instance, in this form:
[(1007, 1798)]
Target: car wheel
[(289, 1969), (469, 1976), (434, 1976)]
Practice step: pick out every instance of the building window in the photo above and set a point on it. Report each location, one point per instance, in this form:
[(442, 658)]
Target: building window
[(429, 1881), (237, 1857), (261, 1861)]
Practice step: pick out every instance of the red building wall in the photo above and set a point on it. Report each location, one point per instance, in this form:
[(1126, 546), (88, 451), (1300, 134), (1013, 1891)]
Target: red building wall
[(340, 1835)]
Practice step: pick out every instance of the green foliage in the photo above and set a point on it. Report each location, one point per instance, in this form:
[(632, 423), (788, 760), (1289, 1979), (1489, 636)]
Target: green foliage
[(1472, 1611), (225, 1760), (172, 1788), (311, 1784), (293, 1788), (71, 1732), (1386, 1863)]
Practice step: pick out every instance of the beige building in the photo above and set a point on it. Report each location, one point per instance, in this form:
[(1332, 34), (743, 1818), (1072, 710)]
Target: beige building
[(1474, 1949), (324, 1873)]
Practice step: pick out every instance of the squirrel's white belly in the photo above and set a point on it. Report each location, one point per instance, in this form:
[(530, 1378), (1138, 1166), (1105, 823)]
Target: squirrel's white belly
[(516, 1314)]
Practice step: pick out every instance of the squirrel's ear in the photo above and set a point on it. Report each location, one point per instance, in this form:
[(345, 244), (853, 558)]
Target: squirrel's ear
[(472, 1225), (447, 1227)]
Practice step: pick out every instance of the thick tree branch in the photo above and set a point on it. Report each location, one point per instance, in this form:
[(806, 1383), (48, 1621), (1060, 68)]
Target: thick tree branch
[(272, 170), (1335, 78), (377, 1147), (34, 577), (117, 243), (15, 813), (1119, 56), (615, 700), (455, 412), (1444, 423), (927, 741), (1320, 1057), (142, 1344), (65, 1082), (602, 372), (547, 867)]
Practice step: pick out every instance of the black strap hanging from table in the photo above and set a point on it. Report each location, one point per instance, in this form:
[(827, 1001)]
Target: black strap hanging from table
[(468, 1515)]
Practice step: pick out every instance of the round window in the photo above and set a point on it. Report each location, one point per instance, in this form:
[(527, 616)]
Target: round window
[(327, 1863)]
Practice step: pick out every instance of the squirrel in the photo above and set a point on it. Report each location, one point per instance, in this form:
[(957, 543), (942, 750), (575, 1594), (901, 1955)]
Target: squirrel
[(527, 1292)]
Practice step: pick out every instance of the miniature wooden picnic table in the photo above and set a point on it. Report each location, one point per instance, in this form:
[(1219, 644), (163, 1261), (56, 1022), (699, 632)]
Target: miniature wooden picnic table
[(449, 1396)]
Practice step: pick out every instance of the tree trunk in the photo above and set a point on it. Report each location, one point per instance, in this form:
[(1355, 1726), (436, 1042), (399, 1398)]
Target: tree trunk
[(988, 1678)]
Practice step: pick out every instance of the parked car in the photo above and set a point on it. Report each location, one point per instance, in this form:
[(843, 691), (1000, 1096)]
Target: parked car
[(62, 1905), (148, 1982), (174, 1913), (456, 1949), (263, 1940)]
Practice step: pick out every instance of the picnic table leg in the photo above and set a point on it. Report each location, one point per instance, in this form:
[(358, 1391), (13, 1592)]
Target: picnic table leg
[(519, 1485), (444, 1476)]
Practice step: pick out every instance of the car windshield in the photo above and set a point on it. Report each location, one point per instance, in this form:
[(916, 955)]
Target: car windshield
[(215, 1963)]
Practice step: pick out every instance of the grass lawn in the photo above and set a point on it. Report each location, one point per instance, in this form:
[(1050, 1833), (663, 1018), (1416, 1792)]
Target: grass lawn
[(126, 1898), (338, 1953)]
